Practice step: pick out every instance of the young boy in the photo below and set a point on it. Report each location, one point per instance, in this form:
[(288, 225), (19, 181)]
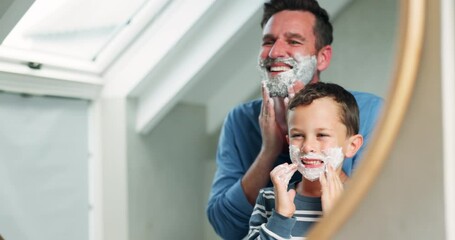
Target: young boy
[(323, 129)]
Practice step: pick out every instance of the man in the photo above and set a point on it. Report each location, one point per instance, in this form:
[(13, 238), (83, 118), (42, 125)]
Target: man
[(296, 47)]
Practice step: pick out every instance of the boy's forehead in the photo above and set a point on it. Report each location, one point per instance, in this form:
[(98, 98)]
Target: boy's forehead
[(324, 104), (319, 101)]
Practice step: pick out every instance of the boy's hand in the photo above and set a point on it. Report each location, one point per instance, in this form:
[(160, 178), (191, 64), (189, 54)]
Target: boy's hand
[(331, 187), (284, 199)]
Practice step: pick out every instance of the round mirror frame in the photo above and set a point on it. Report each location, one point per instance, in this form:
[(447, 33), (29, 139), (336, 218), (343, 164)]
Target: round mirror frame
[(410, 42)]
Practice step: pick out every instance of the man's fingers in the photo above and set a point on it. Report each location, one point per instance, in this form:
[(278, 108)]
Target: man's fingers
[(291, 91), (297, 85), (270, 109), (265, 99), (286, 102), (264, 91)]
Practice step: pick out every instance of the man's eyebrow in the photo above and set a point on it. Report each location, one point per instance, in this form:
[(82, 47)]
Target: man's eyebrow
[(268, 36)]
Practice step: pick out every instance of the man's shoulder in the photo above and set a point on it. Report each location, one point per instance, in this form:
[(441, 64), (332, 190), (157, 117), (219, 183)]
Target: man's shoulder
[(250, 108), (365, 95), (365, 98)]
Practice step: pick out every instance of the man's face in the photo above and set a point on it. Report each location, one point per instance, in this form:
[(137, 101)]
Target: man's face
[(317, 137), (288, 51)]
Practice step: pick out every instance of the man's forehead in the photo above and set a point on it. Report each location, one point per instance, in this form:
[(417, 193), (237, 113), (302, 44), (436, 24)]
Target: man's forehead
[(290, 15), (289, 23)]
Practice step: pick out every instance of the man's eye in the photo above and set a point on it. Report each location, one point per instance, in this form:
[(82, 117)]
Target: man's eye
[(293, 42), (267, 43)]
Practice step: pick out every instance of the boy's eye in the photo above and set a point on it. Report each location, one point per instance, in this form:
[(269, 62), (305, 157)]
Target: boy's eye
[(296, 135), (323, 135)]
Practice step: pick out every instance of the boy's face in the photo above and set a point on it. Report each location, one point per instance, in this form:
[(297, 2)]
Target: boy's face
[(318, 137)]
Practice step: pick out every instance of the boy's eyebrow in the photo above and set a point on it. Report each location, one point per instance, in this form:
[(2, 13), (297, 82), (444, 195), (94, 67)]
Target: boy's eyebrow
[(318, 129)]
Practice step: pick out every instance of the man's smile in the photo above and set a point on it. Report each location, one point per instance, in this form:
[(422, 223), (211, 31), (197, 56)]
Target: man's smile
[(279, 68)]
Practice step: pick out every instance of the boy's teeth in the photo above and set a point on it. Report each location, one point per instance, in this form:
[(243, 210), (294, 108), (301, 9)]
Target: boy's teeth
[(312, 162)]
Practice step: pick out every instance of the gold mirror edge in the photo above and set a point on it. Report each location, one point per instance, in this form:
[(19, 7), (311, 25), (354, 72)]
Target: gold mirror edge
[(411, 34)]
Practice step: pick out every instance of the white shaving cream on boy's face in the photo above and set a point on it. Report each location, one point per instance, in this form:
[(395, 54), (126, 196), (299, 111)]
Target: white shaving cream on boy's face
[(312, 165), (302, 68)]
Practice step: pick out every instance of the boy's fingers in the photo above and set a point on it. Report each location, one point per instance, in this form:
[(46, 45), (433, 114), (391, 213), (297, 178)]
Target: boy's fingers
[(291, 194), (323, 181)]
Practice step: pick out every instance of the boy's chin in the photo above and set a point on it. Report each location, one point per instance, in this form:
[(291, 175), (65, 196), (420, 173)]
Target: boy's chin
[(312, 174)]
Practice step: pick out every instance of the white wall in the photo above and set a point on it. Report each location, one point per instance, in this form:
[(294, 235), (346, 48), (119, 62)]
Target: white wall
[(364, 46), (166, 172), (44, 184)]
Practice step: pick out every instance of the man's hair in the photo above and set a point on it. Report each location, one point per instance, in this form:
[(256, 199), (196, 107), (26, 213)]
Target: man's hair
[(349, 111), (322, 28)]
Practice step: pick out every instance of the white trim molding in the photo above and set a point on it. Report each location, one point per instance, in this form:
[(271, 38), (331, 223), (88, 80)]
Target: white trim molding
[(448, 111)]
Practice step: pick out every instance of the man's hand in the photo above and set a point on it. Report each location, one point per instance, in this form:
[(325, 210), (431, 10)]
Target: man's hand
[(272, 134), (272, 122), (294, 88), (284, 199), (331, 187)]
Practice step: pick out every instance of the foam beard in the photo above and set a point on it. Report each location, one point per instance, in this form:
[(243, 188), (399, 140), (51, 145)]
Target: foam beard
[(332, 156), (302, 69)]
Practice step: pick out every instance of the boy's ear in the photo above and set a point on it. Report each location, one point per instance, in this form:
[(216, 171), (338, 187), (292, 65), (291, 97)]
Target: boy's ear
[(354, 144)]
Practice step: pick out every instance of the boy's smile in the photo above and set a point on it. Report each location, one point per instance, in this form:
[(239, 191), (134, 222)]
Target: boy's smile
[(312, 162)]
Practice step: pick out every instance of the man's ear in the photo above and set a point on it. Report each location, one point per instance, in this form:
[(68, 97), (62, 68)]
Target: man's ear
[(287, 138), (324, 57), (354, 144)]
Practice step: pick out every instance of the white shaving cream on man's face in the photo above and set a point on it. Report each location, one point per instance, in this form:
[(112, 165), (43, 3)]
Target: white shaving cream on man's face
[(302, 68), (332, 156)]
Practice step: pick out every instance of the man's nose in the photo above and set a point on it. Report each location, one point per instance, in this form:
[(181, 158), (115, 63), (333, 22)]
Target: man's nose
[(278, 50)]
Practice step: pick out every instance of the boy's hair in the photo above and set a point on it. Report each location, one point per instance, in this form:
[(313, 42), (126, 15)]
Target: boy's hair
[(322, 28), (349, 111)]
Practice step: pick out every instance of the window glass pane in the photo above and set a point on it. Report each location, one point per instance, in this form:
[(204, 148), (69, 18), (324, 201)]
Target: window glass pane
[(74, 28), (44, 182)]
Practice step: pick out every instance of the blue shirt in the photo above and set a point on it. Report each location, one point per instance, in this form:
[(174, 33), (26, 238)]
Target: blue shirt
[(240, 141)]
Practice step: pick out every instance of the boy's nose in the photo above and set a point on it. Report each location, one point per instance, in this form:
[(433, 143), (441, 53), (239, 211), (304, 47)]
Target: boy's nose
[(308, 148)]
